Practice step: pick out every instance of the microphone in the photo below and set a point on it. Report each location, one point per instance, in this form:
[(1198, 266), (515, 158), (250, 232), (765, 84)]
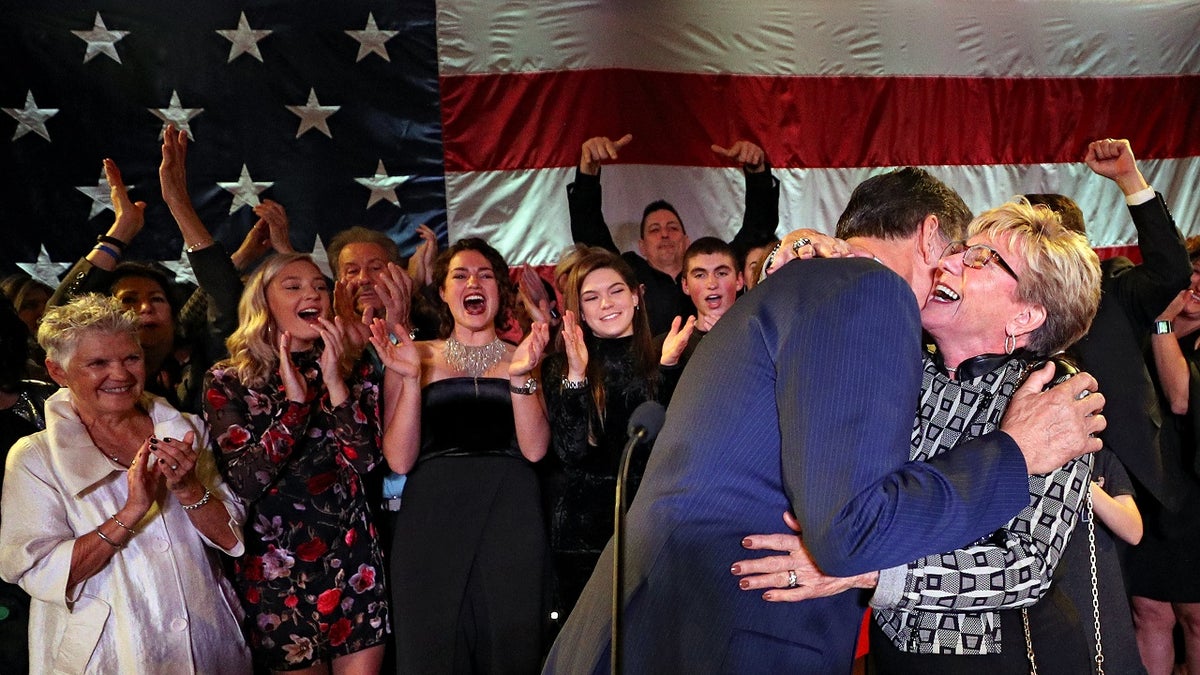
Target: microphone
[(644, 424)]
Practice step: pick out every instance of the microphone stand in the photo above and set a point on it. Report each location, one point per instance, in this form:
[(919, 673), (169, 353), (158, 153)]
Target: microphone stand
[(639, 434)]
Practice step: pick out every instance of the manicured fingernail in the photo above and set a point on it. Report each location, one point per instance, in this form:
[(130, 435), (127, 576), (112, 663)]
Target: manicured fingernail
[(736, 569), (768, 596), (744, 584), (746, 542), (168, 439)]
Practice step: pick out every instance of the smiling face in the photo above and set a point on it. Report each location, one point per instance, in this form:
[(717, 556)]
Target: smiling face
[(663, 240), (360, 264), (1191, 308), (146, 298), (471, 291), (969, 310), (297, 297), (712, 283), (105, 373), (607, 303)]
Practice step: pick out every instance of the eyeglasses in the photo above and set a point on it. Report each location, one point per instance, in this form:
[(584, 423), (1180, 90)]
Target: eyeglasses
[(978, 256)]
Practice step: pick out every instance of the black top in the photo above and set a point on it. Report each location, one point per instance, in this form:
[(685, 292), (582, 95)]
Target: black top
[(467, 416)]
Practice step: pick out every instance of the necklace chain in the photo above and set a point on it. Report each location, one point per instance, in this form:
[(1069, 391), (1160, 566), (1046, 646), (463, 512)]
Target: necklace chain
[(472, 360)]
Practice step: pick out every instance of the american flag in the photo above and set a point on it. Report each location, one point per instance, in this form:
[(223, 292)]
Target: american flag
[(468, 114)]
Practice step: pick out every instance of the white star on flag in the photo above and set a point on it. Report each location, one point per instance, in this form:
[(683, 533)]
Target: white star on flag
[(321, 257), (382, 186), (313, 115), (244, 40), (100, 194), (43, 270), (245, 191), (182, 269), (371, 39), (100, 40), (176, 114), (31, 118)]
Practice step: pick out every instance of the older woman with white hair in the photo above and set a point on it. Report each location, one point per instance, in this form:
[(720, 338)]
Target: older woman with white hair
[(110, 515)]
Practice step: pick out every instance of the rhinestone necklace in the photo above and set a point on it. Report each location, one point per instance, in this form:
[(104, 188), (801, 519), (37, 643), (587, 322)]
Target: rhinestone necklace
[(472, 360)]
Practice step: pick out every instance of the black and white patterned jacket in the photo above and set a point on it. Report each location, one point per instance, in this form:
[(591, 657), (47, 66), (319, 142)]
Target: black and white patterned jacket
[(947, 603)]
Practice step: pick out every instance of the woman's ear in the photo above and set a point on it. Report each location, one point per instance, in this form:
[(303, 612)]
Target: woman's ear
[(57, 372), (1029, 319)]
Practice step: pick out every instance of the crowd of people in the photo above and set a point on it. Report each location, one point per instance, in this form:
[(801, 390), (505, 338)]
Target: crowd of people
[(411, 466)]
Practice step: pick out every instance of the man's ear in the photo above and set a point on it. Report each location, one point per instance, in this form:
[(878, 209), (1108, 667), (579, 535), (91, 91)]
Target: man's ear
[(741, 281), (931, 240)]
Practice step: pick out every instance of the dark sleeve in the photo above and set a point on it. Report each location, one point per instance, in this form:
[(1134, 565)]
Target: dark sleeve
[(570, 410), (220, 280), (251, 448), (1145, 290), (1116, 478), (668, 378), (761, 218), (356, 427), (84, 277), (846, 417), (587, 218)]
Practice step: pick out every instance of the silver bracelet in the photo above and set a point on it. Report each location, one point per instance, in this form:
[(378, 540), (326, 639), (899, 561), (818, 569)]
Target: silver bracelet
[(571, 384), (202, 502), (108, 541), (125, 527)]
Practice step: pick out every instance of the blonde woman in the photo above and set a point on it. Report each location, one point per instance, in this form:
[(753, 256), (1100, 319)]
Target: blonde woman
[(294, 434)]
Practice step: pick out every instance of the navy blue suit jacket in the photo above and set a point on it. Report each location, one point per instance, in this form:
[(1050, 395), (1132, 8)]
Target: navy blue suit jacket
[(803, 397)]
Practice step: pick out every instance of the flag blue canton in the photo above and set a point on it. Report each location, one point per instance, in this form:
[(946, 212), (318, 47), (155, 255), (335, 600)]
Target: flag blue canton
[(250, 113)]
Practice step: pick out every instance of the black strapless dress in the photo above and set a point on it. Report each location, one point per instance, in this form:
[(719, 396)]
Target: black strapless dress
[(469, 545)]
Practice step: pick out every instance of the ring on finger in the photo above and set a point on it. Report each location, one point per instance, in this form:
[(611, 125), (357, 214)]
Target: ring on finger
[(174, 467), (799, 244), (792, 580)]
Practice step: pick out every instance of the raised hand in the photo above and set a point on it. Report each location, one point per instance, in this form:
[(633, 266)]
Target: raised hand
[(533, 294), (1113, 158), (172, 172), (677, 340), (598, 150), (130, 215), (344, 307), (574, 347), (395, 289), (529, 352), (402, 356), (749, 155), (295, 387), (333, 362), (420, 266), (253, 247), (275, 216)]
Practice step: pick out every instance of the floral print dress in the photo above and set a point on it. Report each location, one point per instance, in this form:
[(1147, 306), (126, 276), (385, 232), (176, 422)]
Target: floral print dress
[(311, 579)]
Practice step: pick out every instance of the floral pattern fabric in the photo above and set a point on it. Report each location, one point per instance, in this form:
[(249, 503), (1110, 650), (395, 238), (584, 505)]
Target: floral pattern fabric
[(310, 580)]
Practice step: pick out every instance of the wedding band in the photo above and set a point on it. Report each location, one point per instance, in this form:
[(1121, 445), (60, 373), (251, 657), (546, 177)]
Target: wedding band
[(792, 580), (1083, 394), (799, 244)]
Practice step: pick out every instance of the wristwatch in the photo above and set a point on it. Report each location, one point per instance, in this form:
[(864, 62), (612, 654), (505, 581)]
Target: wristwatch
[(1163, 327), (528, 390)]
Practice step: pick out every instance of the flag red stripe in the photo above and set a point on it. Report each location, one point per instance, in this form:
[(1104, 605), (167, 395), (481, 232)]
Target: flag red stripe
[(538, 120)]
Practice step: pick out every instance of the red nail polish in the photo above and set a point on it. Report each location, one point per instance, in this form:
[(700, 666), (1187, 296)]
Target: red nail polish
[(736, 569)]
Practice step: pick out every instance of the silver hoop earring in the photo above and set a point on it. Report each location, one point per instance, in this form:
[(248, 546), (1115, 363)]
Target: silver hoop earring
[(1010, 343)]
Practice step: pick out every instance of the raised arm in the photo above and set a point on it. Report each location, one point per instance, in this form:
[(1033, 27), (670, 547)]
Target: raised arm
[(91, 273), (583, 196), (761, 217), (1144, 290)]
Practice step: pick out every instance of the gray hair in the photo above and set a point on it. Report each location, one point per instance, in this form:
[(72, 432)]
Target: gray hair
[(62, 327)]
